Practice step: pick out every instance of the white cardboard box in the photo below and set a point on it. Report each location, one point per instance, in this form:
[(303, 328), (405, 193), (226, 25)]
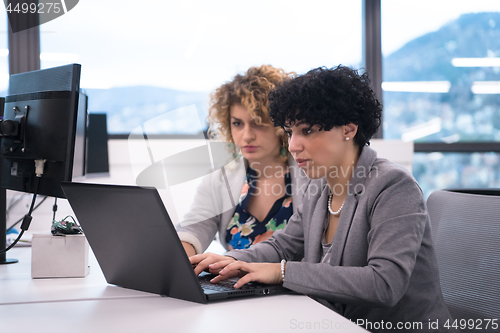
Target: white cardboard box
[(59, 256)]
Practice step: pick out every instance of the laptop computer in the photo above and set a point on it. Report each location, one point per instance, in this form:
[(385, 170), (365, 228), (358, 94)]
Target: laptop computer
[(137, 247)]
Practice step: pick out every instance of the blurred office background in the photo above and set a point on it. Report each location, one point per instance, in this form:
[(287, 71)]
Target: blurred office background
[(436, 68)]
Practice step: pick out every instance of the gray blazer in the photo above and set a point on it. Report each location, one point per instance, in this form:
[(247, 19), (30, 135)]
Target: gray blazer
[(216, 198), (381, 265)]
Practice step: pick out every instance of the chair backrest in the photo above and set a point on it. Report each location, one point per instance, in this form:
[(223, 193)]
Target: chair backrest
[(466, 233)]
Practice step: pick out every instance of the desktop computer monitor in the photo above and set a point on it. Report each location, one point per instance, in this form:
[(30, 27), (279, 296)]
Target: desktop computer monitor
[(97, 146), (45, 118)]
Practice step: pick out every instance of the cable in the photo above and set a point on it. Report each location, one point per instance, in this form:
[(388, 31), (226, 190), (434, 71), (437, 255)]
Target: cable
[(21, 219), (34, 196), (39, 164), (26, 219), (54, 209)]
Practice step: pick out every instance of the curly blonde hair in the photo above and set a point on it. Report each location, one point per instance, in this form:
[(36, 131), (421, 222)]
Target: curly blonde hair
[(251, 91)]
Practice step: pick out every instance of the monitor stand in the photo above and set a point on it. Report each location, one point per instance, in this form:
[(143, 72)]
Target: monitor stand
[(3, 210), (3, 227)]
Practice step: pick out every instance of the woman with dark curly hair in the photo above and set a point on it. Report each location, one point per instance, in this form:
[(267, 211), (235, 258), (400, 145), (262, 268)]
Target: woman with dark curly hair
[(361, 241), (254, 195)]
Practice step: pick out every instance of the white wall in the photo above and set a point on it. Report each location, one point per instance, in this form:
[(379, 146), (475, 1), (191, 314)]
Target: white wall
[(394, 150)]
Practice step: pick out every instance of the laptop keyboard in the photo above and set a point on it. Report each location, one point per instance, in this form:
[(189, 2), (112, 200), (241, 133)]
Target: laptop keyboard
[(225, 285)]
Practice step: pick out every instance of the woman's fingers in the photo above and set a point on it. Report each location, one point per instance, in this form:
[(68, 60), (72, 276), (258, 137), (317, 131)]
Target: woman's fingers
[(201, 262), (215, 268), (229, 275), (259, 272), (237, 266), (244, 280), (227, 270), (194, 260), (219, 265)]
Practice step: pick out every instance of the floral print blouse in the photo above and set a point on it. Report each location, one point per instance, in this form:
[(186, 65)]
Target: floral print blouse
[(244, 229)]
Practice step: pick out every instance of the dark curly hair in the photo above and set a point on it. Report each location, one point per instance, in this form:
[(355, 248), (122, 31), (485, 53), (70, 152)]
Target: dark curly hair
[(328, 98)]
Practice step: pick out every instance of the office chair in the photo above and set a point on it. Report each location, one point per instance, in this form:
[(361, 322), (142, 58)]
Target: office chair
[(466, 233)]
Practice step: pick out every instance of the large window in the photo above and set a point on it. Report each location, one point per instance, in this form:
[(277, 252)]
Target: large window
[(441, 83), (456, 170), (142, 59), (440, 80)]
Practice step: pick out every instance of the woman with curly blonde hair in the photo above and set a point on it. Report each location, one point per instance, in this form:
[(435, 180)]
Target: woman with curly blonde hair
[(255, 194)]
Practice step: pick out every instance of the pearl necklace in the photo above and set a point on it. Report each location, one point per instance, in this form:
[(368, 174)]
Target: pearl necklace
[(330, 208)]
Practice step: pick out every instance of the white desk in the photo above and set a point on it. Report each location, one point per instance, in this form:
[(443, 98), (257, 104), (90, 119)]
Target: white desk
[(91, 305), (17, 286)]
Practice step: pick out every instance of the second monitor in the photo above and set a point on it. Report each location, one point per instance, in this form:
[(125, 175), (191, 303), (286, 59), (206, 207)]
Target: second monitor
[(45, 118)]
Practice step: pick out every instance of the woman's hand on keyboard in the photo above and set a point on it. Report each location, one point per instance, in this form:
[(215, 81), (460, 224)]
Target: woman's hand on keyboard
[(269, 273), (201, 262)]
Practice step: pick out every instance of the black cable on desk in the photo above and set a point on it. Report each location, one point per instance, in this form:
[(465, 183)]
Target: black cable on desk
[(26, 219), (21, 219), (54, 209)]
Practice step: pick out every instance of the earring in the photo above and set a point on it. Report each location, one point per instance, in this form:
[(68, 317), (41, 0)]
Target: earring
[(232, 147), (283, 151), (347, 139)]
